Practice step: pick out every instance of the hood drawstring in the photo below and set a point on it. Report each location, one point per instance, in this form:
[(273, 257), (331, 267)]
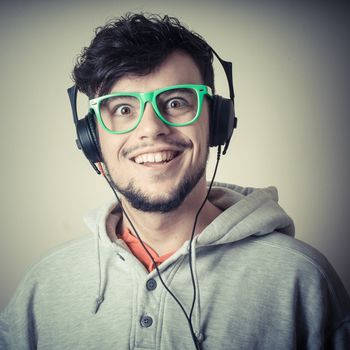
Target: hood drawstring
[(101, 281), (196, 307)]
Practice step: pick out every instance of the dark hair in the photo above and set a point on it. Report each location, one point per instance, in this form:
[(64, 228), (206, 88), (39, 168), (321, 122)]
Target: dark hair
[(137, 44)]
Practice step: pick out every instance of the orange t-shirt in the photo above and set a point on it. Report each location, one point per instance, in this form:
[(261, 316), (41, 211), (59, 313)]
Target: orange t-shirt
[(139, 252)]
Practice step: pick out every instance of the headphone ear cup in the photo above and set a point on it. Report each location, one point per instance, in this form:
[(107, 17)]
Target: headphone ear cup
[(222, 121), (87, 139)]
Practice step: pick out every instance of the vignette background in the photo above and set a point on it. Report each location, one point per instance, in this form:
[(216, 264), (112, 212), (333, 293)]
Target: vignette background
[(292, 88)]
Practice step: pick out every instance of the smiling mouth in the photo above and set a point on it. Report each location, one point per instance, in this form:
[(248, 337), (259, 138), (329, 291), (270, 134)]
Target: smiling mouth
[(156, 157)]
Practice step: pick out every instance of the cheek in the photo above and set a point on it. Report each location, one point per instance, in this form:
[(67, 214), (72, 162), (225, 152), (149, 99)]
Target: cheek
[(102, 138), (110, 144), (198, 133)]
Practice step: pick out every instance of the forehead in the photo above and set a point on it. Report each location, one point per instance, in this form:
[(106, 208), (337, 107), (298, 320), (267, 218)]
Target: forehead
[(178, 68)]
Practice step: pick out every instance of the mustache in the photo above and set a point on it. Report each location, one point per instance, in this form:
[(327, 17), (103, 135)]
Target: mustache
[(180, 144)]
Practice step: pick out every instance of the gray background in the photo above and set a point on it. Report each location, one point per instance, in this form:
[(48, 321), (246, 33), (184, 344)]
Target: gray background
[(292, 98)]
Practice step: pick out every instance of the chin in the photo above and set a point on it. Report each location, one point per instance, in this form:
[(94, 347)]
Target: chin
[(141, 200)]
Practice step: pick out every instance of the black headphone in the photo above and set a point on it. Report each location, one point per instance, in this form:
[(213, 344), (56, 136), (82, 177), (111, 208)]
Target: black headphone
[(222, 121)]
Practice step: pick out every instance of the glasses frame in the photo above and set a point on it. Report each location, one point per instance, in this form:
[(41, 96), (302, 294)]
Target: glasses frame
[(151, 96)]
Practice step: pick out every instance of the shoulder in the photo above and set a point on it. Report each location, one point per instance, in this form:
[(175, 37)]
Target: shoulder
[(315, 284), (293, 260), (48, 287), (65, 254), (58, 265), (287, 249), (290, 247)]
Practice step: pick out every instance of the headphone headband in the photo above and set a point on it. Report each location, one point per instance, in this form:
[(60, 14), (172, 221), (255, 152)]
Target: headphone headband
[(227, 66)]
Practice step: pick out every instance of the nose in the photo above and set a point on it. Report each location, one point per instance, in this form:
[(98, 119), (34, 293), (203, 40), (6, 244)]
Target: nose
[(150, 125)]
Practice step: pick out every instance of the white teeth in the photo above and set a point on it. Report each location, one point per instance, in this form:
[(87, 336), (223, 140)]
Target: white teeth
[(157, 157)]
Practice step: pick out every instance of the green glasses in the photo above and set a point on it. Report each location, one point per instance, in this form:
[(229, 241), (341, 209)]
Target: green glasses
[(178, 105)]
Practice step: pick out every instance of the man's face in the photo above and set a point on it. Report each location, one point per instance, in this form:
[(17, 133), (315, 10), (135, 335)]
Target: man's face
[(156, 166)]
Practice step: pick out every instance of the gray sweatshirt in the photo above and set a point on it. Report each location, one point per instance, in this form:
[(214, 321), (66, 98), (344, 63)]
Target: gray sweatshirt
[(256, 288)]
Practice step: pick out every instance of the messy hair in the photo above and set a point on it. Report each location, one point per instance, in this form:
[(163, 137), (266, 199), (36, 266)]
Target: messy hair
[(137, 44)]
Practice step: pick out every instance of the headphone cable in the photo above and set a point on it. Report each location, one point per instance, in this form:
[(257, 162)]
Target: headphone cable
[(188, 316)]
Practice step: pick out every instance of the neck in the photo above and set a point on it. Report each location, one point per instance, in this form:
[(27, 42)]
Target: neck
[(166, 232)]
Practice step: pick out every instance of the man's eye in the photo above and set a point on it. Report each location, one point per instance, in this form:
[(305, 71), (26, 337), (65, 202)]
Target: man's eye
[(176, 103), (122, 110)]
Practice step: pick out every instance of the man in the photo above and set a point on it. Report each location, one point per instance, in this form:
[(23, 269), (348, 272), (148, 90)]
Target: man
[(166, 268)]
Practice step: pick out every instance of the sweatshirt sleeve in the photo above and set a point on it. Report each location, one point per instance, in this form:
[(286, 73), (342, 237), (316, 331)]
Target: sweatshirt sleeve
[(337, 323), (340, 339), (17, 321), (4, 331), (337, 311)]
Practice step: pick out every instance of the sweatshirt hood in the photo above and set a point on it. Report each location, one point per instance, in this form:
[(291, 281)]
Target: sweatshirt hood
[(246, 211)]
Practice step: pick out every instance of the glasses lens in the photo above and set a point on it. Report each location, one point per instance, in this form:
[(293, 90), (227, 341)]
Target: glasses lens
[(120, 113), (178, 106)]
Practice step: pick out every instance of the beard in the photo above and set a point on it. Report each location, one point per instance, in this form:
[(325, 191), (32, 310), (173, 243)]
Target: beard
[(140, 201)]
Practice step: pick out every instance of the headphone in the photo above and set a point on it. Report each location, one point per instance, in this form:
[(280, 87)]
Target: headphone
[(222, 121)]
